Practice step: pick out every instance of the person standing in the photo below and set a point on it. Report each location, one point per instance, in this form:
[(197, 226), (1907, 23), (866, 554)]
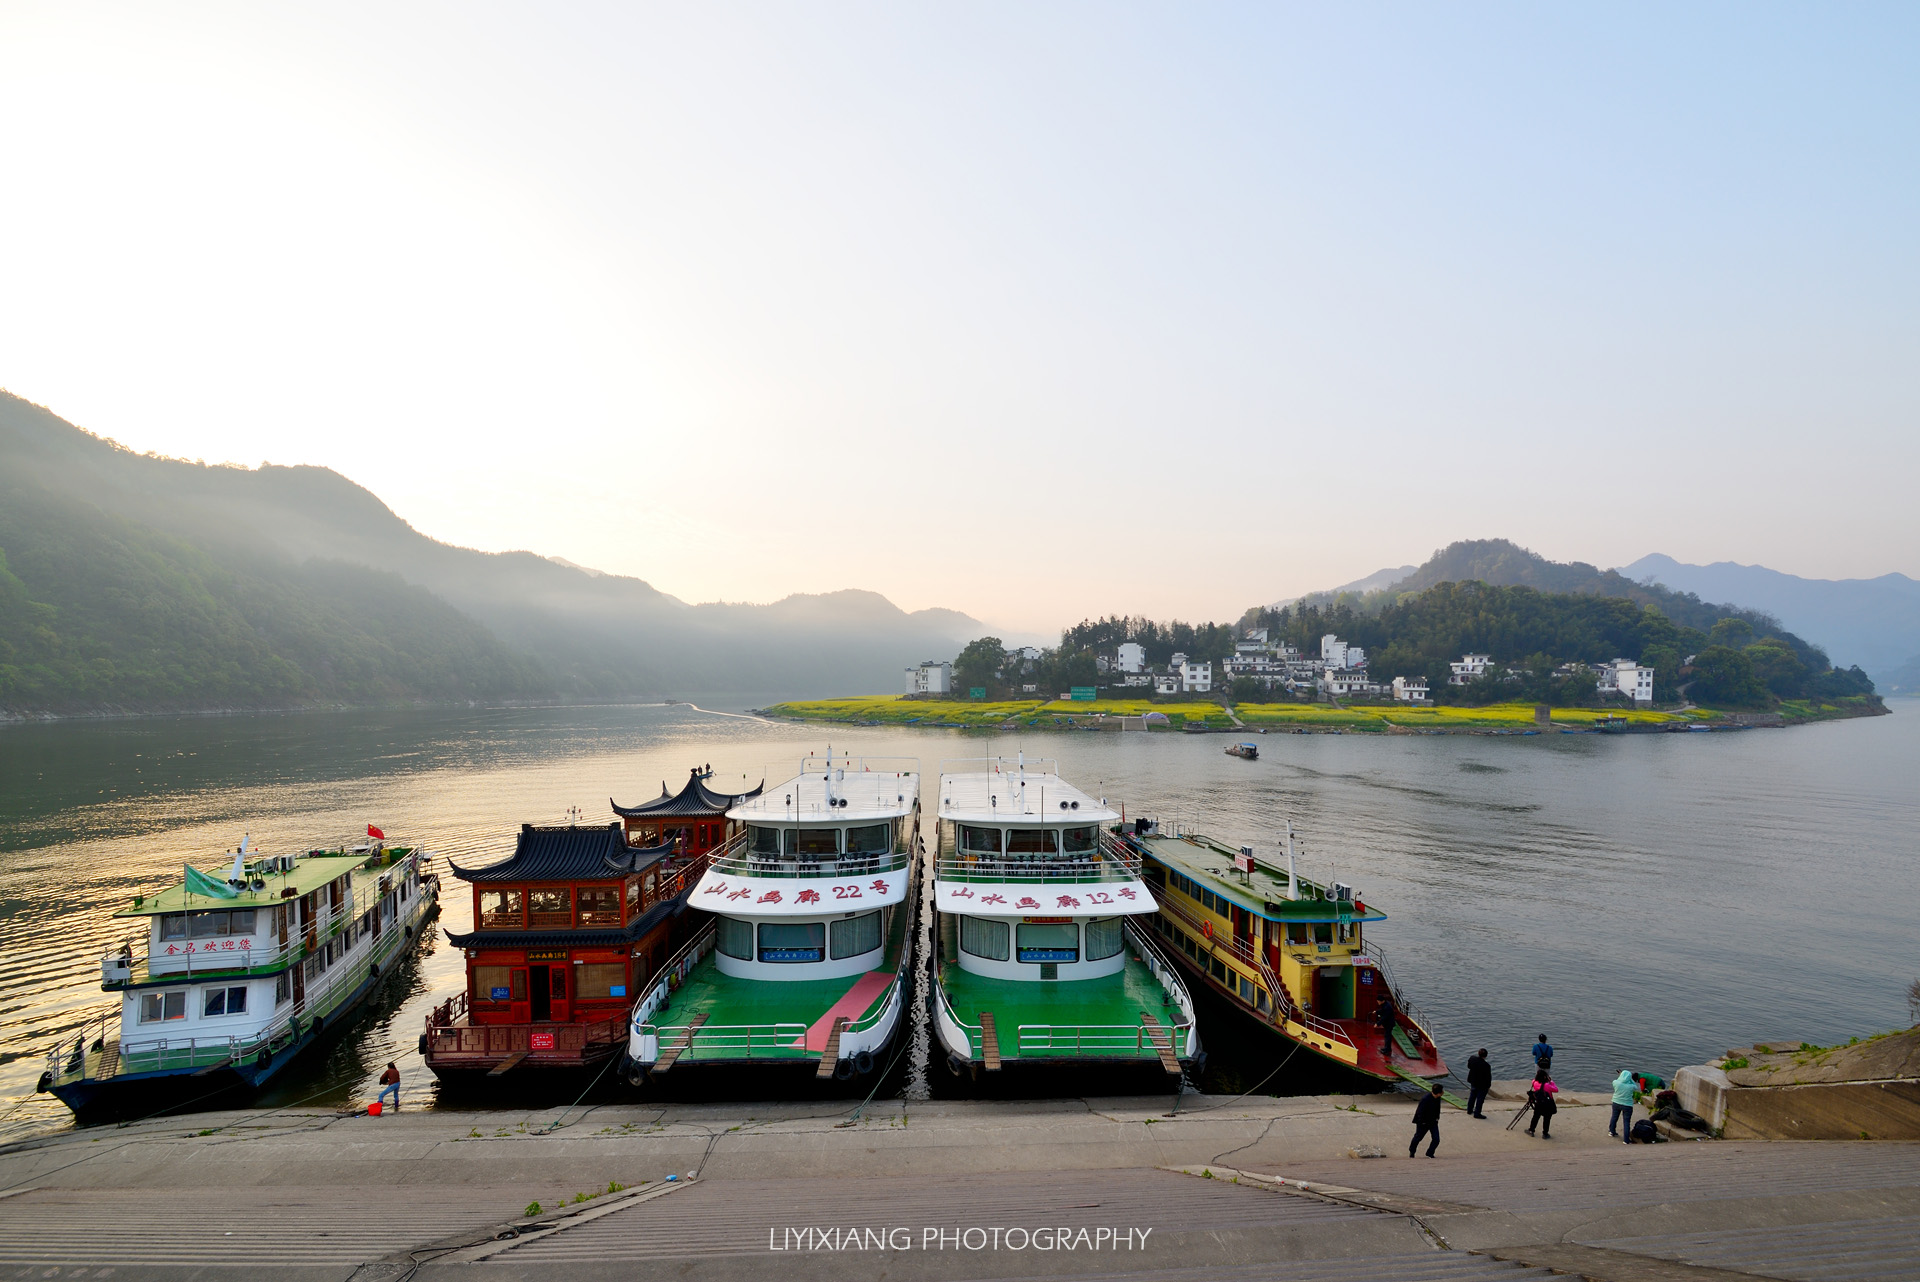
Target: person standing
[(1543, 1055), (390, 1085), (1541, 1096), (1426, 1121), (1625, 1092), (1383, 1018), (1479, 1082)]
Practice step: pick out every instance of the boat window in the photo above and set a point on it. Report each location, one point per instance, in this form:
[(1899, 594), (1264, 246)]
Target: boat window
[(985, 841), (984, 938), (283, 988), (206, 925), (763, 841), (856, 935), (870, 839), (550, 907), (501, 908), (596, 980), (817, 841), (242, 921), (599, 906), (792, 941), (224, 1001), (1297, 932), (734, 937), (1103, 938), (1078, 841), (173, 926), (1048, 941), (633, 896), (1323, 932), (1033, 841), (499, 984), (156, 1007)]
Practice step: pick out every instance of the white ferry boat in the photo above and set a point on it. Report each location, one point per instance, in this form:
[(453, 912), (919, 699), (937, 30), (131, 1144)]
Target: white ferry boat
[(1040, 960), (804, 966), (232, 976)]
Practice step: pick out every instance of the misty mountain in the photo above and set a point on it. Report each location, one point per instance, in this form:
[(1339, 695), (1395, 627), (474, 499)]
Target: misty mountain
[(240, 553), (1872, 622), (1374, 582)]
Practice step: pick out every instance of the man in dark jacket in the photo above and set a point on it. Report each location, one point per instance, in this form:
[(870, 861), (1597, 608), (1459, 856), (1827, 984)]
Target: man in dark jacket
[(1383, 1019), (1426, 1121), (1479, 1082)]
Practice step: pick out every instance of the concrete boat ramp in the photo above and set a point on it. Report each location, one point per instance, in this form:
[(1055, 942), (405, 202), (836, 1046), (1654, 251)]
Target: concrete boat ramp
[(1098, 1189)]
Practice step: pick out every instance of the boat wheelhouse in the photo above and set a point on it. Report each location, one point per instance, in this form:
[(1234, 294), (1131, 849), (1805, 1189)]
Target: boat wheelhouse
[(695, 817), (1038, 957), (564, 932), (804, 964), (1289, 954), (234, 973)]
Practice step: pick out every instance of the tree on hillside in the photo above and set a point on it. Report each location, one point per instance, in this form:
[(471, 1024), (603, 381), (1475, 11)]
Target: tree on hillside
[(1724, 676), (979, 665)]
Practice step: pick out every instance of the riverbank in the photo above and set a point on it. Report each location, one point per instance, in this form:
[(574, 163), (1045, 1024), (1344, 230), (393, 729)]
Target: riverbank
[(1320, 718), (1232, 1186)]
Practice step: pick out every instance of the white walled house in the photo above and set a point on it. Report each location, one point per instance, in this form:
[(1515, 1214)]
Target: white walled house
[(1166, 683), (1335, 653), (1132, 657), (1414, 691), (1346, 681), (930, 678), (1628, 678), (1197, 678), (1468, 667)]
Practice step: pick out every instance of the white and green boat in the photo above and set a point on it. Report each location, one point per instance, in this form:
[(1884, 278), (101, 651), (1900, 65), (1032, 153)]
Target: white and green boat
[(1040, 961), (232, 974)]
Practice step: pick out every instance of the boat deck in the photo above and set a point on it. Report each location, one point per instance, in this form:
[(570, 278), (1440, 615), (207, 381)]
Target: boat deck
[(773, 1020), (1053, 1019)]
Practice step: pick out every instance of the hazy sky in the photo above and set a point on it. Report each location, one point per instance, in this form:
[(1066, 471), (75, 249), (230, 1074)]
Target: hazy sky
[(1032, 311)]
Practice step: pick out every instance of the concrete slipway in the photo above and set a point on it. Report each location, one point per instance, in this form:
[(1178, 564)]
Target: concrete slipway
[(805, 1191)]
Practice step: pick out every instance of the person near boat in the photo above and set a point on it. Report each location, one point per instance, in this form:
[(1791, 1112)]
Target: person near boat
[(390, 1085), (1383, 1019), (1426, 1121), (1479, 1082)]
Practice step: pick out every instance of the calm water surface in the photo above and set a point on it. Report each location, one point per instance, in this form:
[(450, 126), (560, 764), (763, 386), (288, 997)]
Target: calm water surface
[(1646, 901)]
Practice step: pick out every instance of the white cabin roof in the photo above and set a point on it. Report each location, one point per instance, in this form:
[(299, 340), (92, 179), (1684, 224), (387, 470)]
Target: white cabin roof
[(814, 797), (1018, 798)]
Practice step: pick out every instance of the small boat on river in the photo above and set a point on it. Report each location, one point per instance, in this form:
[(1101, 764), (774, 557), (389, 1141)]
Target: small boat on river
[(802, 972), (1039, 961), (233, 974), (1287, 954), (1245, 751)]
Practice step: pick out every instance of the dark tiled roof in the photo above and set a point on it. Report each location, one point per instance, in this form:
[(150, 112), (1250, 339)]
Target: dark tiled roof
[(635, 931), (567, 854), (696, 799)]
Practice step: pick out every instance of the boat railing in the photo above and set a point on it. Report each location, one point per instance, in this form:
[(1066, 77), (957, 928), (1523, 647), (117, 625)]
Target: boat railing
[(455, 1038), (1110, 862), (1101, 1039), (1284, 1008), (660, 985), (740, 863), (820, 765), (975, 1035), (732, 1040)]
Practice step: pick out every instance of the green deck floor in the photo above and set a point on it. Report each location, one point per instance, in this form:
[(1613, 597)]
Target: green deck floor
[(728, 1002), (1113, 1004)]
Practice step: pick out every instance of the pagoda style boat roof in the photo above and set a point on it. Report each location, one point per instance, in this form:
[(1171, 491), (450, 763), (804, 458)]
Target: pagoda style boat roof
[(1262, 892), (841, 793), (694, 800), (998, 791), (632, 932), (568, 854), (310, 873)]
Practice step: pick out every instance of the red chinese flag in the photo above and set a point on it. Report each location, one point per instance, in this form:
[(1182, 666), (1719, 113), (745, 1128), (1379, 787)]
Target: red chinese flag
[(375, 832)]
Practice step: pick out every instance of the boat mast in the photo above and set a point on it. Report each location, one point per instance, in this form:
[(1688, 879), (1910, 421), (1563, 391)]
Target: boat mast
[(1293, 878)]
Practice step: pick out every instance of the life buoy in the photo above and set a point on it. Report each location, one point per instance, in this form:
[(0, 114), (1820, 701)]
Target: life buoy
[(1206, 928)]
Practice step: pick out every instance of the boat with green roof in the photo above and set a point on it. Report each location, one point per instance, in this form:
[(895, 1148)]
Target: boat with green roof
[(1041, 958), (232, 975), (804, 970), (1291, 956)]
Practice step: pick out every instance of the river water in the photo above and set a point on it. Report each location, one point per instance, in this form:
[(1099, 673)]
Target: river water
[(1646, 901)]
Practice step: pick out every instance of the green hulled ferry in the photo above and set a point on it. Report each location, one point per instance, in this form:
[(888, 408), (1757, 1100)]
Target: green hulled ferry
[(233, 974), (803, 969), (1042, 957)]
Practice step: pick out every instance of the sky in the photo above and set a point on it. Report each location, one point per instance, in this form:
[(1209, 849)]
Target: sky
[(1036, 312)]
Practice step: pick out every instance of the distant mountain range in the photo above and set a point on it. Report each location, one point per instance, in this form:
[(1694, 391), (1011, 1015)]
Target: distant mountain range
[(141, 582), (1872, 622)]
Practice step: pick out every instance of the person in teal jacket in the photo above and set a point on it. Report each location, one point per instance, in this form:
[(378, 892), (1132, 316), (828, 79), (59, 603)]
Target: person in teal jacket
[(1624, 1094)]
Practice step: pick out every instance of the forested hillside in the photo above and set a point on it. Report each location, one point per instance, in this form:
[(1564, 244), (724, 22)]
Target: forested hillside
[(138, 581)]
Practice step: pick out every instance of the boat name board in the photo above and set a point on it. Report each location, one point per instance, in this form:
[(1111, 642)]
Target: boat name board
[(1045, 921), (210, 946), (546, 954), (978, 899), (798, 896)]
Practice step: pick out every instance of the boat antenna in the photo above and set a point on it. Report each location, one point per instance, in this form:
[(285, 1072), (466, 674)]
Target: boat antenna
[(1293, 877)]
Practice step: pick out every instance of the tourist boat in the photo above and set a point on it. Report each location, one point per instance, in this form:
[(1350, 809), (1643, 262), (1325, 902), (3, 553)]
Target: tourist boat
[(1245, 751), (803, 968), (1284, 952), (564, 932), (1039, 962), (232, 977)]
